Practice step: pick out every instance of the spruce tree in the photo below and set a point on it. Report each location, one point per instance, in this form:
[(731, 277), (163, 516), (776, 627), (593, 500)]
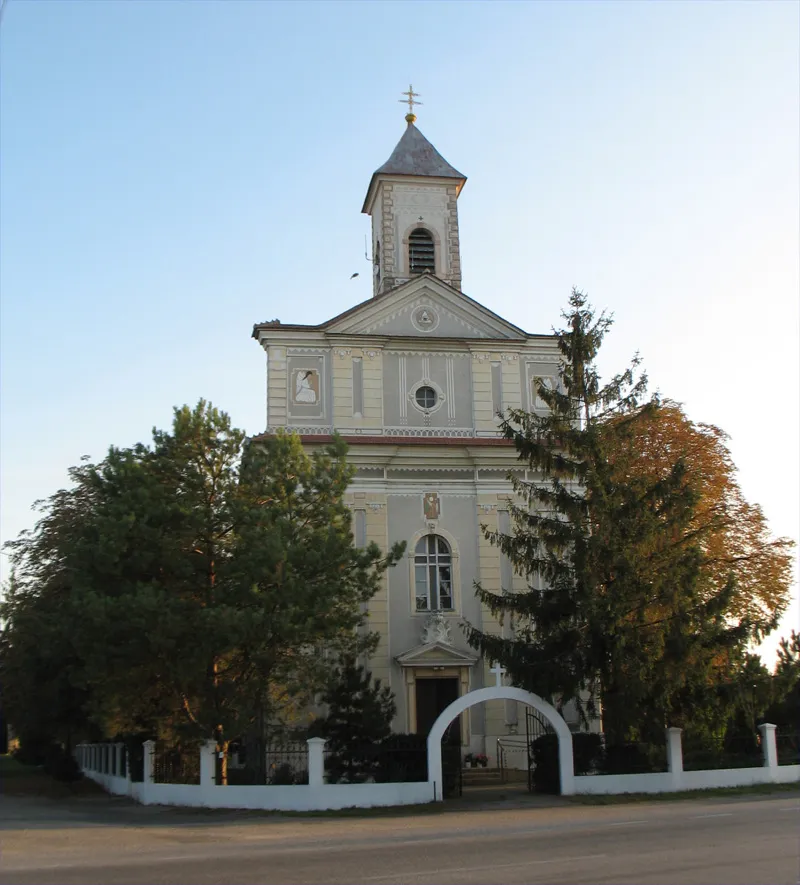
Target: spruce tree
[(612, 610)]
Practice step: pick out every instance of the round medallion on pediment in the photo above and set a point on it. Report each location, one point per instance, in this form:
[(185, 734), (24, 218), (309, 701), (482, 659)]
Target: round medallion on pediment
[(425, 319)]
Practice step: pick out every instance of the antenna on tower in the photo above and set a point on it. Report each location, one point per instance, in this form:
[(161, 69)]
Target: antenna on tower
[(366, 253)]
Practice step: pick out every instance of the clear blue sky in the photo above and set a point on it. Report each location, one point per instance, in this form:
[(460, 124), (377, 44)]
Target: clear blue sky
[(172, 172)]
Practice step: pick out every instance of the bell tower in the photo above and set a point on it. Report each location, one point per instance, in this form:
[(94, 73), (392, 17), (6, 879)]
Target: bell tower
[(412, 200)]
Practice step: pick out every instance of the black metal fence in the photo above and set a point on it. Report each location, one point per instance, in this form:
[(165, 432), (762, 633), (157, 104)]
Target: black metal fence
[(176, 765), (593, 754), (400, 758), (380, 763), (134, 755), (788, 746), (287, 763), (709, 753), (276, 763)]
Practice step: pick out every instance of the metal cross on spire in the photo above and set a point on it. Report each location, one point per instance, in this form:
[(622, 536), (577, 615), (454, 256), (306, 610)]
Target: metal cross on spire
[(410, 116)]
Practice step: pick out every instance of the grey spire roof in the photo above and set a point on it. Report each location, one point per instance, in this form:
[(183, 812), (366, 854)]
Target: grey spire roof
[(415, 155)]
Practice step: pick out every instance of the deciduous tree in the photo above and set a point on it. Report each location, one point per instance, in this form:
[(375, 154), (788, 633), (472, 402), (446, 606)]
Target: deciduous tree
[(733, 534)]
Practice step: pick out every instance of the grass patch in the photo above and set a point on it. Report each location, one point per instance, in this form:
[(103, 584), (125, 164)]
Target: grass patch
[(17, 779), (711, 793), (9, 767), (379, 811)]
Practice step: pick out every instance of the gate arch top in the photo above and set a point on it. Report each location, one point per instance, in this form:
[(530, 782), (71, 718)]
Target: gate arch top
[(501, 693)]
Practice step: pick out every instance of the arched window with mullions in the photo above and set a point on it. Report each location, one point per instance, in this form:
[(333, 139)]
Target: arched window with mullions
[(421, 252), (433, 574)]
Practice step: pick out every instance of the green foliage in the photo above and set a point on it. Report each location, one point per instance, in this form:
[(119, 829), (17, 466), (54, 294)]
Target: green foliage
[(358, 720), (784, 709), (40, 671), (403, 759), (544, 757), (184, 589), (591, 756), (614, 608)]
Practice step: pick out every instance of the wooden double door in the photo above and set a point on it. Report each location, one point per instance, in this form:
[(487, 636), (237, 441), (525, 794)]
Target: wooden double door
[(432, 697)]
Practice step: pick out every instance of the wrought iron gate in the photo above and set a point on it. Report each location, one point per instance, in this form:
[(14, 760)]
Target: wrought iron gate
[(451, 766), (536, 726)]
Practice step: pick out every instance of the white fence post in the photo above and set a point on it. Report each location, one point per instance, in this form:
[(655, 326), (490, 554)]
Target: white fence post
[(769, 745), (148, 747), (316, 762), (675, 756), (208, 764), (118, 767)]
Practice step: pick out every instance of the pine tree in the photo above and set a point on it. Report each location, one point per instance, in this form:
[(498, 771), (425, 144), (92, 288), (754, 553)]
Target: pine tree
[(359, 717), (184, 588), (613, 610), (785, 710)]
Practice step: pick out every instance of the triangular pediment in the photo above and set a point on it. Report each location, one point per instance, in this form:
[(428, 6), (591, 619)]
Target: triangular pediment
[(424, 307), (436, 654)]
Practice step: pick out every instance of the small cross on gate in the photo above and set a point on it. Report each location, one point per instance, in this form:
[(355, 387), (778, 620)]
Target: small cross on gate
[(499, 672)]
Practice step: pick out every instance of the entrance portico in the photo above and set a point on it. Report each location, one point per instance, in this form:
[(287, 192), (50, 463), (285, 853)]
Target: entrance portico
[(435, 675)]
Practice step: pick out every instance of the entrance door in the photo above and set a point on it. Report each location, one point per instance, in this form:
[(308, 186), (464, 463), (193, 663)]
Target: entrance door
[(433, 696)]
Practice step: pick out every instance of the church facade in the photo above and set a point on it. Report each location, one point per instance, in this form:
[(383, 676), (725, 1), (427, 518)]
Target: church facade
[(414, 379)]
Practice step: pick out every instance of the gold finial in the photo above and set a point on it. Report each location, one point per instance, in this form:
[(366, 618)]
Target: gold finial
[(410, 116)]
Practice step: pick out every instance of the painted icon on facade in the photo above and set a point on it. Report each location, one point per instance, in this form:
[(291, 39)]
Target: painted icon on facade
[(306, 387), (430, 505)]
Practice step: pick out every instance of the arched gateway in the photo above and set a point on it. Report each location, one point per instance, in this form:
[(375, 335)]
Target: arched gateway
[(500, 693)]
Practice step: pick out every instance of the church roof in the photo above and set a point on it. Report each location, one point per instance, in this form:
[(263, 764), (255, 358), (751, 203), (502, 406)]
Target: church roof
[(415, 155), (385, 298)]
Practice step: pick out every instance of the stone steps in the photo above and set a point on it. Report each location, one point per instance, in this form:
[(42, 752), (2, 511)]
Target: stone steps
[(481, 776)]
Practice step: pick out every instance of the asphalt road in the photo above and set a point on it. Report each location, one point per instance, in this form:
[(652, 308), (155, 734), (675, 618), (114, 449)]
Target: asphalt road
[(731, 840)]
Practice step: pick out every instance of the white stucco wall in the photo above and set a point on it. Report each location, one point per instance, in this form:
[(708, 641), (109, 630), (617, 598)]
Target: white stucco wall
[(273, 798), (429, 200), (676, 782)]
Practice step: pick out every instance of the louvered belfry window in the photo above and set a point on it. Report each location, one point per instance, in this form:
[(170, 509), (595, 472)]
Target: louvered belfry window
[(421, 257)]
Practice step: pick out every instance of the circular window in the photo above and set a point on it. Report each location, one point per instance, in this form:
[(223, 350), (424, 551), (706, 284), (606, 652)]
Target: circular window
[(425, 397)]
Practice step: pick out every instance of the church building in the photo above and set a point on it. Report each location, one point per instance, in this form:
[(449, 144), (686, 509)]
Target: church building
[(414, 379)]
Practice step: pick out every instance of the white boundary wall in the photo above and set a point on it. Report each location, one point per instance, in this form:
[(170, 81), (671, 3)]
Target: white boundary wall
[(102, 763), (667, 782), (677, 780), (96, 764)]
